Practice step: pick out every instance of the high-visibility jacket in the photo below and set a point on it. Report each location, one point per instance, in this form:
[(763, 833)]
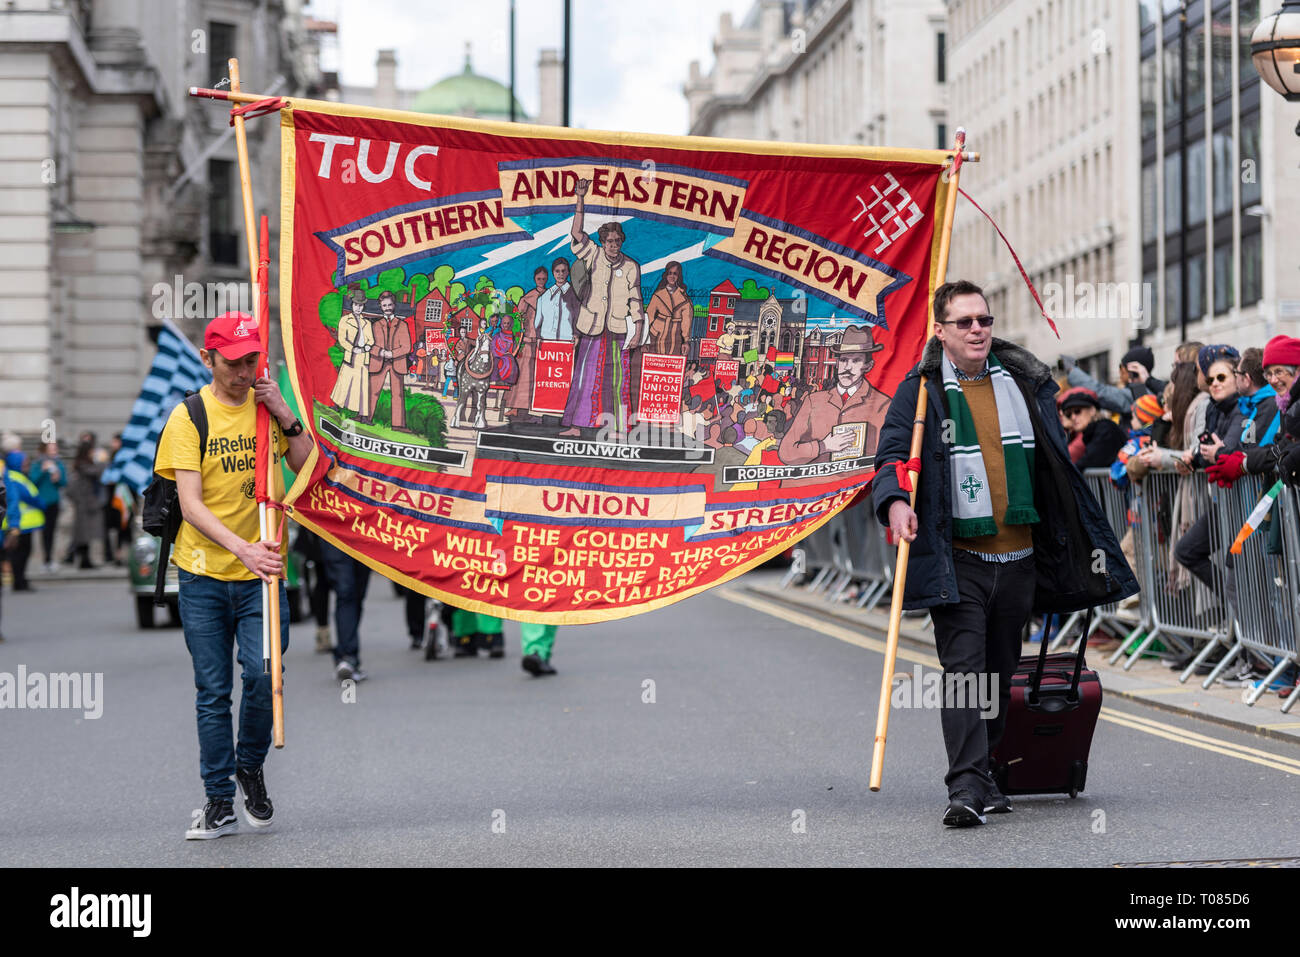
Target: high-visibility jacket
[(30, 517)]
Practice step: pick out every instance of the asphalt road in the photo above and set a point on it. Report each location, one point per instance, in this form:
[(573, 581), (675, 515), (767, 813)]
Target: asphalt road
[(757, 725)]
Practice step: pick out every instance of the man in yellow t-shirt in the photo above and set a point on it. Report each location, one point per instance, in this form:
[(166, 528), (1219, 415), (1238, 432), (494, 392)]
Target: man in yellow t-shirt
[(223, 562)]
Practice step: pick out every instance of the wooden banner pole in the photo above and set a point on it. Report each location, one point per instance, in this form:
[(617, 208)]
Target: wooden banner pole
[(268, 519), (918, 434)]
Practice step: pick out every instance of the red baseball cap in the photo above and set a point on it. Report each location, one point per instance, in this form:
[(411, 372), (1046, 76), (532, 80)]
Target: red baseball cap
[(233, 334)]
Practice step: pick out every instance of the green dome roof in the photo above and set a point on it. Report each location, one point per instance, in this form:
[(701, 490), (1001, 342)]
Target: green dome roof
[(468, 94)]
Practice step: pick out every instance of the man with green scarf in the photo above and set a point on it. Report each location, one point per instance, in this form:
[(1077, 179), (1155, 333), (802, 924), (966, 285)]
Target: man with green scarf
[(1006, 525)]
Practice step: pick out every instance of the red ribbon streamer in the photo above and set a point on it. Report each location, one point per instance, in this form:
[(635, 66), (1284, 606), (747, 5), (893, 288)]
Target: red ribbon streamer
[(269, 104), (1024, 275), (903, 471)]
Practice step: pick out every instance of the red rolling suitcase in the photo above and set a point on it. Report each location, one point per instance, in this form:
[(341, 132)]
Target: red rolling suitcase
[(1055, 700)]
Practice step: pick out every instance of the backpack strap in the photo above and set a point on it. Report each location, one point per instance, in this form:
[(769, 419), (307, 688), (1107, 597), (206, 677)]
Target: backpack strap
[(199, 416)]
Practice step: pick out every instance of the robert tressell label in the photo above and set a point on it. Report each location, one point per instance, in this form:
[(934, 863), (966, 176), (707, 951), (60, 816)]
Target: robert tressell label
[(585, 449), (395, 450), (60, 690), (771, 473), (75, 909)]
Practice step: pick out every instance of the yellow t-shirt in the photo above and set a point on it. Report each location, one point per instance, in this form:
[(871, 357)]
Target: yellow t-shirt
[(227, 471)]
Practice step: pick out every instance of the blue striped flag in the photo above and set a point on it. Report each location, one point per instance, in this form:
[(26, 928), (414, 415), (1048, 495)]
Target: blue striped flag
[(176, 369)]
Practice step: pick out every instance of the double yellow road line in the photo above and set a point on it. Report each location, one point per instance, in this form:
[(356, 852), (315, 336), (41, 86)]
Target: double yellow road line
[(1150, 726)]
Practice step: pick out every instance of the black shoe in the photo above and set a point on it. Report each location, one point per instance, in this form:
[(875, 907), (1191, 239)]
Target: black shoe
[(417, 642), (466, 646), (257, 806), (218, 820), (537, 666), (496, 645), (995, 802), (961, 811)]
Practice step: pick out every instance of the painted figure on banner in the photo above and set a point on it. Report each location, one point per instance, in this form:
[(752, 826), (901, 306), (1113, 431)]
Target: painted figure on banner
[(521, 393), (842, 421), (557, 308), (727, 341), (449, 377), (611, 321), (670, 312), (474, 371), (505, 368), (388, 360), (355, 338)]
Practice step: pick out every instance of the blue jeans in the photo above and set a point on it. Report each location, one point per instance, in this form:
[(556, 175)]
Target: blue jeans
[(216, 614), (349, 579)]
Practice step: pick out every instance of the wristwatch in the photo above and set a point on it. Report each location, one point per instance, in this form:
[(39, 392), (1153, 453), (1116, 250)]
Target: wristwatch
[(295, 429)]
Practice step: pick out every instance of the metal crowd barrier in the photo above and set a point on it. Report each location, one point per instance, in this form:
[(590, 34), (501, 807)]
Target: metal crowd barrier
[(1175, 607), (1262, 581), (1252, 604), (1124, 618), (1253, 601), (849, 549)]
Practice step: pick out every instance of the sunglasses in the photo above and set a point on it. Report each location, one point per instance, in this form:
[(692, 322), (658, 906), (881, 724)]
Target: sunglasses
[(1221, 377), (964, 323)]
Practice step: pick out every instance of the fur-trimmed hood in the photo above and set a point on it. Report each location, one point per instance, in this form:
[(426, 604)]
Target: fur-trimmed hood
[(1020, 362)]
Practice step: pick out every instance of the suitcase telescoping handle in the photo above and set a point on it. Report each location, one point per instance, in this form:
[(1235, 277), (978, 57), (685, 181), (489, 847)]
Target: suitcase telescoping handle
[(1042, 657)]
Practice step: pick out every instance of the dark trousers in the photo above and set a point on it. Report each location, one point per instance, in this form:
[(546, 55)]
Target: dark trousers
[(47, 531), (980, 634), (1193, 552), (416, 613), (1194, 549), (349, 579), (18, 554)]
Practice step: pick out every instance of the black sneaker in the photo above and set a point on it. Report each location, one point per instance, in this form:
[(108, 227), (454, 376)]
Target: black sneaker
[(217, 820), (995, 802), (257, 806), (961, 811)]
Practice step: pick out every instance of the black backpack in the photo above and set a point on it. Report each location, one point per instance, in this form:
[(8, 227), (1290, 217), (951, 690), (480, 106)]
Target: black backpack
[(160, 513)]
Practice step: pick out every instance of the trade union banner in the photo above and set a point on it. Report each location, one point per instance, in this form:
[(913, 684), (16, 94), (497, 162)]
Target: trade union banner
[(568, 376)]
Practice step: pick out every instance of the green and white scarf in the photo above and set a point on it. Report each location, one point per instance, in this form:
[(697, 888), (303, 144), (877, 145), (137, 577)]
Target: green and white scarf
[(972, 504)]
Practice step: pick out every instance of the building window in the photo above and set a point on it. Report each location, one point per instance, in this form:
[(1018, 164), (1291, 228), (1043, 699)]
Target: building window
[(713, 323), (731, 302), (1250, 167), (1223, 171), (941, 134), (1195, 60), (940, 57), (1173, 82), (221, 49), (1252, 270), (1247, 20), (1173, 295), (1173, 194), (1150, 204), (223, 237), (1196, 287), (1148, 13), (1221, 53), (1196, 183), (433, 310), (1223, 298), (1147, 95)]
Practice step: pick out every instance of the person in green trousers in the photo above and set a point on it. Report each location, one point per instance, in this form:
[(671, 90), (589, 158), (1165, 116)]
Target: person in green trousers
[(538, 640), (471, 631)]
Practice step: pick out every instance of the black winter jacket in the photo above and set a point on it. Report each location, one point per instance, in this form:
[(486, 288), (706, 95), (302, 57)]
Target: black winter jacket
[(1072, 533)]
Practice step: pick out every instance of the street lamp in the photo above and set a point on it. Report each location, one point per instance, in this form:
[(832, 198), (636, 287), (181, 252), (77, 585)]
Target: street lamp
[(1275, 50)]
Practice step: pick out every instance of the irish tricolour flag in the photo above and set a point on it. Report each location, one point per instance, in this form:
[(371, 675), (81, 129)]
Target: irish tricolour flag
[(1256, 517)]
